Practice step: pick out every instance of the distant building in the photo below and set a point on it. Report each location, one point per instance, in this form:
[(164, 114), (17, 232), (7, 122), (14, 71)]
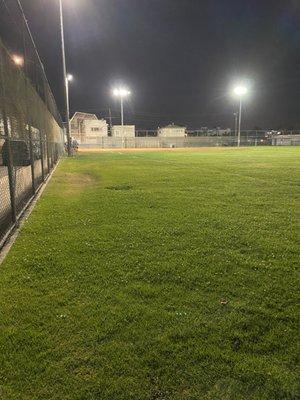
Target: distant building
[(223, 132), (87, 128), (285, 140), (124, 131), (218, 132), (172, 131)]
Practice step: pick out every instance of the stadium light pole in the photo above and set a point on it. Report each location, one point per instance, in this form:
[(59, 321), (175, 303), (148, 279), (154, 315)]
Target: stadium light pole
[(235, 123), (70, 78), (240, 91), (121, 93), (65, 78)]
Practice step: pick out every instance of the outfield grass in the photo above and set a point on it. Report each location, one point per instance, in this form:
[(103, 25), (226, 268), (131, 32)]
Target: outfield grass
[(158, 276)]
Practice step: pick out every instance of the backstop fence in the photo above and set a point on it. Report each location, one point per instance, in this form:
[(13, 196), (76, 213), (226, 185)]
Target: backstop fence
[(31, 130)]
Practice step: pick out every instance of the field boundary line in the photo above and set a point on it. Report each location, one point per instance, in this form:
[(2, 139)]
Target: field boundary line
[(15, 230)]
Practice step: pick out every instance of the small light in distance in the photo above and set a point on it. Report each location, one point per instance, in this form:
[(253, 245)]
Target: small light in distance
[(70, 77), (18, 60)]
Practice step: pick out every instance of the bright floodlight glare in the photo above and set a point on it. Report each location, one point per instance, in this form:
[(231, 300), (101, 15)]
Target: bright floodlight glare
[(121, 92), (69, 77), (240, 90), (18, 60)]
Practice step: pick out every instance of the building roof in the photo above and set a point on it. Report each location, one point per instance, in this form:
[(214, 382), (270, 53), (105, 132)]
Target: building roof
[(173, 126), (84, 115)]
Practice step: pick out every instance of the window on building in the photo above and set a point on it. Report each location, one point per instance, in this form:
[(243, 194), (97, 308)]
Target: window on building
[(94, 129)]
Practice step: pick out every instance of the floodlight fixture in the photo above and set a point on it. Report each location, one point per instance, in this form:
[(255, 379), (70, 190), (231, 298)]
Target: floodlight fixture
[(18, 60), (240, 90)]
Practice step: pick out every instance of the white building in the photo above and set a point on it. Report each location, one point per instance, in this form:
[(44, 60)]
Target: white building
[(124, 131), (172, 131), (223, 132), (286, 140), (87, 128)]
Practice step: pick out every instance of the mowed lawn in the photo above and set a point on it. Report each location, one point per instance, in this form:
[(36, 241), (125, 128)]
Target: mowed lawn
[(157, 276)]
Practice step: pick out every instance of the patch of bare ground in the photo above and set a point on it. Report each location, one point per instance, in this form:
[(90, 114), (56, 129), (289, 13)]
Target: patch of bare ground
[(74, 183)]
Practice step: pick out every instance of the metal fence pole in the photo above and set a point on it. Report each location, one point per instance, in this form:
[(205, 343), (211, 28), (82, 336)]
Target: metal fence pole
[(42, 155), (31, 160), (10, 170), (10, 166), (48, 156), (52, 155)]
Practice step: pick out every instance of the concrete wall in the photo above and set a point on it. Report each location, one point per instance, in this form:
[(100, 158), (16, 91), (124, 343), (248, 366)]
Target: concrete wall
[(125, 131)]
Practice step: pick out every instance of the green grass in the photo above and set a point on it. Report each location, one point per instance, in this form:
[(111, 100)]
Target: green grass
[(113, 289)]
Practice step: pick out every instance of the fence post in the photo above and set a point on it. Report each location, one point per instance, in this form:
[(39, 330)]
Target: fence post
[(48, 156), (31, 159), (51, 154), (42, 155), (10, 166), (10, 170)]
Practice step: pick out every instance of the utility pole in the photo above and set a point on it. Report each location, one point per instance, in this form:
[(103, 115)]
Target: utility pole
[(66, 83)]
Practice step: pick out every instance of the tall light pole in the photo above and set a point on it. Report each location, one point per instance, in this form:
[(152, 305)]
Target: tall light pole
[(65, 77), (235, 123), (121, 93), (240, 91)]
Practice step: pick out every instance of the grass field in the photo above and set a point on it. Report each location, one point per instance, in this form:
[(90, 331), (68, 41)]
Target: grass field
[(158, 276)]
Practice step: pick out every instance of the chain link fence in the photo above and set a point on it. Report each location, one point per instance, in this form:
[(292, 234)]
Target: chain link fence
[(173, 142), (31, 134), (145, 142)]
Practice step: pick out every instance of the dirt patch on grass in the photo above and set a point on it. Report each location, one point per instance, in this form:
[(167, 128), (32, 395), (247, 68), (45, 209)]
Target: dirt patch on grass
[(75, 183), (263, 165)]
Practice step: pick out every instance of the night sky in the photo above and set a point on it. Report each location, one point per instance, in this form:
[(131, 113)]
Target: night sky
[(178, 57)]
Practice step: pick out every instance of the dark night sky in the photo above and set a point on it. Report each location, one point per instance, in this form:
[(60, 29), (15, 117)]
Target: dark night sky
[(178, 57)]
